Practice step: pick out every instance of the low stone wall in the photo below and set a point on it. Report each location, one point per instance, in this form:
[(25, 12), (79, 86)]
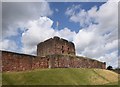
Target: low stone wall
[(66, 61), (21, 62)]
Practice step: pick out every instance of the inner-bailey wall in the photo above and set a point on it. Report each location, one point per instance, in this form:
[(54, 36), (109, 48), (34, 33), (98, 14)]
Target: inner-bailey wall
[(21, 62)]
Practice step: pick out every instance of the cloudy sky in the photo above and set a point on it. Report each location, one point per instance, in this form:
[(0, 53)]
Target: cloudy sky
[(91, 26)]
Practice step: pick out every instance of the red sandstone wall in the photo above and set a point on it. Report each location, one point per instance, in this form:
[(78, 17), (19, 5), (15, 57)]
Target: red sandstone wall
[(20, 62), (55, 45), (16, 62), (38, 62), (57, 61)]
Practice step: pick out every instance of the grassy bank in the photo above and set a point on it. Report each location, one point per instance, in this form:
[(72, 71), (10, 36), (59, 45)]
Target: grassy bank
[(66, 76)]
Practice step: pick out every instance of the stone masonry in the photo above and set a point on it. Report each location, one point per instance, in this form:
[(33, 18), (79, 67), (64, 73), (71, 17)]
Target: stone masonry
[(52, 53), (55, 46)]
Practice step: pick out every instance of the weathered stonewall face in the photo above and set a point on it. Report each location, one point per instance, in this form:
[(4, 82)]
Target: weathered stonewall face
[(55, 45), (52, 53)]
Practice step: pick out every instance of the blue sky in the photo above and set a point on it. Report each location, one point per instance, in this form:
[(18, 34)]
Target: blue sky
[(86, 24), (63, 19)]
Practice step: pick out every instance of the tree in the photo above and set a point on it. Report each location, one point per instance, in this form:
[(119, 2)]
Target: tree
[(109, 68)]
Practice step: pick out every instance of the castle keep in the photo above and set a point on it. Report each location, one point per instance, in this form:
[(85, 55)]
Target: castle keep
[(55, 46), (52, 53)]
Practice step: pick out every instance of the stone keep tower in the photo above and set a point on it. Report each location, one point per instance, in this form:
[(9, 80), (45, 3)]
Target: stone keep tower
[(55, 45)]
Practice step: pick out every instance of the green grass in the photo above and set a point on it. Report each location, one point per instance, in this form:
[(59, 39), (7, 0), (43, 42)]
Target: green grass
[(0, 78), (59, 76)]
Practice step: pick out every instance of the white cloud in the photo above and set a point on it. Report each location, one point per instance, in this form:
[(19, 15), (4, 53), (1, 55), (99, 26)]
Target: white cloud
[(84, 38), (109, 20), (16, 14), (111, 58), (97, 40), (85, 18), (88, 42), (71, 10), (112, 45), (7, 44), (66, 34), (40, 30)]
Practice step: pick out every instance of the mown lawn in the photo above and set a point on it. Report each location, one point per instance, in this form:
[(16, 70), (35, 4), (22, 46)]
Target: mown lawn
[(61, 76)]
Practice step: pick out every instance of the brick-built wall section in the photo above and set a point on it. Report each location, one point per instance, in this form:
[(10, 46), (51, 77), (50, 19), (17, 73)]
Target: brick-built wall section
[(21, 62), (55, 45)]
